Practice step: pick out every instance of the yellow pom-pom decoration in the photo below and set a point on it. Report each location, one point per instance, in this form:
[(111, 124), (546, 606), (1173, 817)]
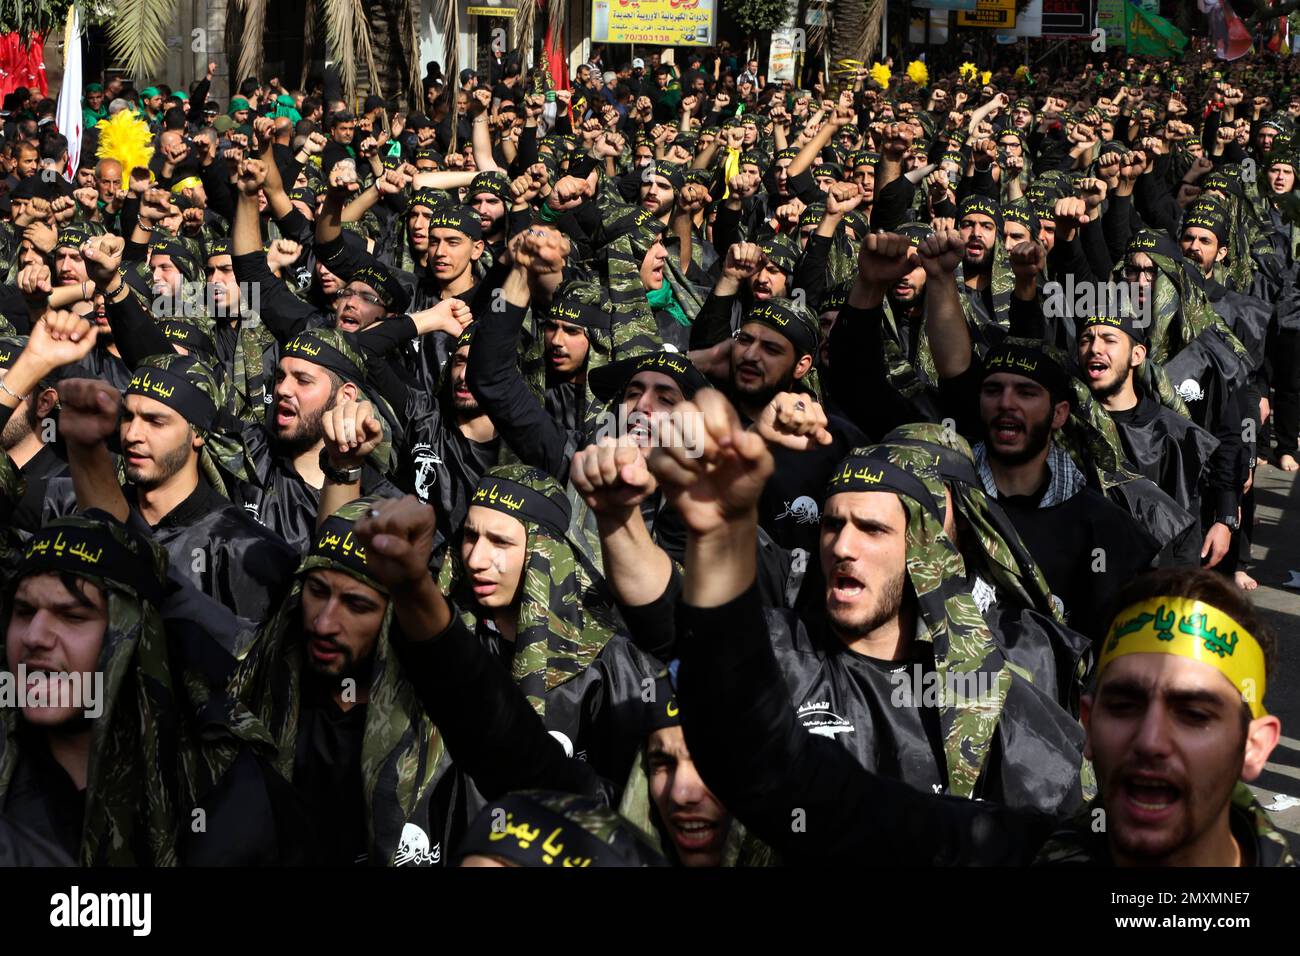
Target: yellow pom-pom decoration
[(1022, 72), (880, 73), (126, 139), (918, 73), (967, 71), (985, 77)]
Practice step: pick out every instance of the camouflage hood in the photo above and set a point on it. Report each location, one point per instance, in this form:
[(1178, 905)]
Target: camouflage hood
[(402, 754), (952, 622), (565, 616), (151, 760)]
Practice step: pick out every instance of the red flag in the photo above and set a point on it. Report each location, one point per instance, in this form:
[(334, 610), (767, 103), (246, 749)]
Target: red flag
[(1231, 38)]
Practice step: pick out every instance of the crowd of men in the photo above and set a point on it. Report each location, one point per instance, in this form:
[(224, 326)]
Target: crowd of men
[(657, 466)]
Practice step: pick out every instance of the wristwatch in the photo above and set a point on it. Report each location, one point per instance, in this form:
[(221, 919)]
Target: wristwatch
[(1233, 523), (349, 476)]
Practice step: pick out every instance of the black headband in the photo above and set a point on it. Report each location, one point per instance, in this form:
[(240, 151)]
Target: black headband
[(533, 835), (788, 323), (1031, 363), (867, 473), (519, 501), (188, 335), (177, 393), (981, 205), (91, 550), (309, 348), (579, 313), (337, 541), (458, 218), (1122, 322)]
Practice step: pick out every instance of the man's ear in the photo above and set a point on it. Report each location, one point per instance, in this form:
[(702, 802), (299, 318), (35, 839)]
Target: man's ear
[(1137, 356), (1261, 737), (348, 392), (1221, 254), (479, 246), (1060, 415), (802, 366), (197, 440), (45, 402)]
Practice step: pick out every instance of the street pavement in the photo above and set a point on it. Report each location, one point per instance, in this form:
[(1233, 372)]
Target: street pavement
[(1275, 561)]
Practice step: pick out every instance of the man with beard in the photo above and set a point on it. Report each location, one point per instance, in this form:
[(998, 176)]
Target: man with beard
[(1173, 731), (352, 736), (880, 612), (452, 441), (980, 224), (27, 436), (1203, 242), (1015, 400), (165, 423), (1284, 339), (752, 272), (319, 370), (772, 353), (1169, 449), (491, 198)]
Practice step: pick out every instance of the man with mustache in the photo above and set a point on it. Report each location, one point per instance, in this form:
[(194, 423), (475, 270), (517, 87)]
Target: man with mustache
[(164, 423), (1168, 448), (1284, 349), (1010, 405), (1173, 731), (1203, 242), (453, 441)]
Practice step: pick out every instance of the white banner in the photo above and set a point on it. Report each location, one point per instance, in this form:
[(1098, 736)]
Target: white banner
[(67, 115), (1029, 21)]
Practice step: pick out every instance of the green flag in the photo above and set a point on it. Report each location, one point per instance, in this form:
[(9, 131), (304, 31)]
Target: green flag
[(1151, 35)]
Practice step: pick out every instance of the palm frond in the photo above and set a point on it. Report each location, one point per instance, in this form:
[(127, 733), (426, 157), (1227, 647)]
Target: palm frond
[(135, 35), (449, 20), (525, 22), (347, 34), (414, 68), (308, 40), (251, 50)]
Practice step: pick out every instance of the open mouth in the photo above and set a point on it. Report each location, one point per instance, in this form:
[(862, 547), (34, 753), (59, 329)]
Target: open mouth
[(324, 652), (483, 589), (693, 833), (1006, 430), (1096, 370), (974, 249), (1150, 798), (846, 588), (285, 416)]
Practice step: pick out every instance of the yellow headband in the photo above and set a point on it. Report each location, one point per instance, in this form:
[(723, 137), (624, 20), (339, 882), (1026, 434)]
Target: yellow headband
[(189, 182), (1193, 629)]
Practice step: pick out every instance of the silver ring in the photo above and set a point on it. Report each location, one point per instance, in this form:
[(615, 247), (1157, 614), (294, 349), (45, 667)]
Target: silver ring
[(372, 513), (799, 406)]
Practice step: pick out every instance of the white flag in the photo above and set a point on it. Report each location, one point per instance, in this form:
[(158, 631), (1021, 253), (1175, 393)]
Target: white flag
[(68, 114)]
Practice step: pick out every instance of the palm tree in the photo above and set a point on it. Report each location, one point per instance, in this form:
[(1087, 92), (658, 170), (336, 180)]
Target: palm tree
[(856, 29), (135, 35)]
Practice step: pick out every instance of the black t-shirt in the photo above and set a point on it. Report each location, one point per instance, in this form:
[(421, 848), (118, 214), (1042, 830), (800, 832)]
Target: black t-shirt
[(327, 774), (506, 94)]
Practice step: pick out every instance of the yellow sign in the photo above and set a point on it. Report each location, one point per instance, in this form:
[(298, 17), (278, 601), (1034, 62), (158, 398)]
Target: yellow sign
[(989, 13), (490, 11), (664, 22)]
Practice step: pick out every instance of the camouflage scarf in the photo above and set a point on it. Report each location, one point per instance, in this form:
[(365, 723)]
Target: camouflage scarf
[(1004, 558), (1180, 309), (402, 753), (953, 624), (565, 615), (223, 459), (155, 750), (12, 488)]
